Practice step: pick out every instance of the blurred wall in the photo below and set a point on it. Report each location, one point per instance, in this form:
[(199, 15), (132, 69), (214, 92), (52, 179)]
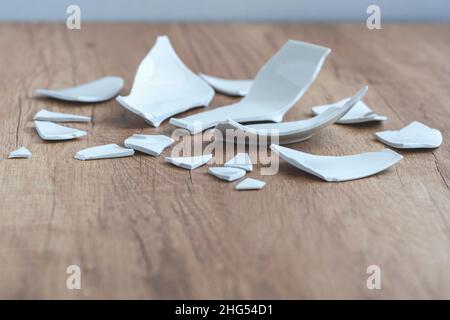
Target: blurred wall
[(225, 10)]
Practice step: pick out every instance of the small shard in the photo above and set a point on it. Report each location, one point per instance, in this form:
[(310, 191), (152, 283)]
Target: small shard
[(51, 131), (227, 173), (22, 152), (250, 184), (189, 163), (150, 144), (45, 115), (104, 152), (229, 87), (242, 161)]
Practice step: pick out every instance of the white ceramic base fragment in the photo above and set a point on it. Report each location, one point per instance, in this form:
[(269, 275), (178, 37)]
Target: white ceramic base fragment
[(22, 152), (189, 163), (242, 161), (339, 168), (358, 114), (227, 174), (250, 184), (229, 87), (51, 131), (415, 135), (95, 91), (45, 115), (150, 144), (103, 152)]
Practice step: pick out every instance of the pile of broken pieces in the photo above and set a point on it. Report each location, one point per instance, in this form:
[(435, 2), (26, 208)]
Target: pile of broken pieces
[(164, 86)]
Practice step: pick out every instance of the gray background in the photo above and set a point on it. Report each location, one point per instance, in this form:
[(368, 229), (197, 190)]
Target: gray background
[(225, 10)]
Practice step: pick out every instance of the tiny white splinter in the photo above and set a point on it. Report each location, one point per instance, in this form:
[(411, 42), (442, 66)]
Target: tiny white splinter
[(250, 184), (227, 174), (22, 152)]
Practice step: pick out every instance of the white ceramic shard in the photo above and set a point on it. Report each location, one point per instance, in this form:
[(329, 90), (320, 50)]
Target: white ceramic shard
[(45, 115), (242, 161), (150, 144), (164, 86), (279, 84), (227, 174), (189, 163), (51, 131), (250, 184), (95, 91), (22, 152), (339, 168), (414, 135), (358, 114), (229, 87), (103, 152), (287, 132)]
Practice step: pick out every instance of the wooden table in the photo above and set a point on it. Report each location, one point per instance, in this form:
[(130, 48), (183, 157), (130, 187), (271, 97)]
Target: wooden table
[(140, 228)]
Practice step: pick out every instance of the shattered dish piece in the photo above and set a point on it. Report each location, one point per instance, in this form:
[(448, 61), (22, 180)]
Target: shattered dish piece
[(164, 86), (286, 132), (95, 91), (229, 87), (45, 115), (242, 161), (227, 174), (358, 114), (250, 184), (150, 144), (189, 163), (51, 131), (339, 168), (279, 84), (22, 152), (103, 152), (414, 135)]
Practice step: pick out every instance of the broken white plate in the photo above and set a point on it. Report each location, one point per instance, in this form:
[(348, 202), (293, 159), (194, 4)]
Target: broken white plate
[(103, 152), (339, 168), (95, 91), (414, 135), (51, 131), (45, 115), (150, 144), (242, 161), (227, 174), (279, 84), (189, 163), (358, 114), (164, 86), (250, 184), (288, 132), (22, 152), (230, 87)]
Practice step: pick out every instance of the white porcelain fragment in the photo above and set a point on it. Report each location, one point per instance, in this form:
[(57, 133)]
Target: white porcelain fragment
[(242, 161), (95, 91), (103, 152), (287, 132), (250, 184), (189, 163), (414, 135), (358, 114), (51, 131), (339, 168), (164, 86), (45, 115), (279, 84), (227, 173), (150, 144), (229, 87), (22, 152)]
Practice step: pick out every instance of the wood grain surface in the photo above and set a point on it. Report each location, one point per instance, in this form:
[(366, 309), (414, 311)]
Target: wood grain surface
[(140, 228)]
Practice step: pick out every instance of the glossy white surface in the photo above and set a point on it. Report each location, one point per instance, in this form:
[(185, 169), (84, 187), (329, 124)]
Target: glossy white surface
[(189, 163), (227, 174), (95, 91), (45, 115), (103, 152), (22, 152), (279, 84), (164, 86), (150, 144), (414, 135), (51, 131), (230, 87), (250, 184), (339, 168), (242, 161)]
